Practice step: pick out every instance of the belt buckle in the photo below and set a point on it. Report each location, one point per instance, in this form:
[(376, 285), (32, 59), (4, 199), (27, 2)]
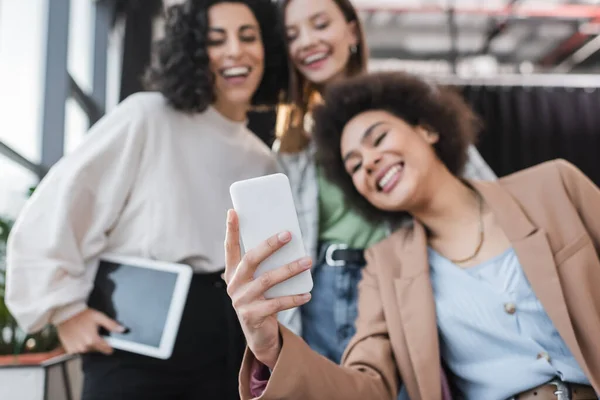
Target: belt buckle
[(563, 391), (329, 254)]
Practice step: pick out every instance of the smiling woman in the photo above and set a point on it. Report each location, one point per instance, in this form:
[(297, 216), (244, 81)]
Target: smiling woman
[(236, 56), (326, 46), (204, 37), (323, 39), (460, 300), (440, 119), (325, 42), (151, 180)]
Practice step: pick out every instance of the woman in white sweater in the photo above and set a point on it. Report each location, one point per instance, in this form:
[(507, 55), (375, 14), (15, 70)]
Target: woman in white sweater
[(151, 180)]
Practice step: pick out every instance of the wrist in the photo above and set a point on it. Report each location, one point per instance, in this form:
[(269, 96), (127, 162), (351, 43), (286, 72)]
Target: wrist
[(66, 313), (271, 357)]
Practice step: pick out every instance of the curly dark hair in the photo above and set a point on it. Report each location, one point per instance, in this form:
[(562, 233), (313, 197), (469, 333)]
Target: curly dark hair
[(180, 66), (417, 102)]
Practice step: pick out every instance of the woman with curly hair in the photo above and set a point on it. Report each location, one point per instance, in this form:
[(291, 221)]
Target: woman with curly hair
[(152, 180), (488, 290), (326, 44)]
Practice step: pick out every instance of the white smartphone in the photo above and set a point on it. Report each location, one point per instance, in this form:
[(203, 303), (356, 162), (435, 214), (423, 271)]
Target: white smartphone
[(265, 207)]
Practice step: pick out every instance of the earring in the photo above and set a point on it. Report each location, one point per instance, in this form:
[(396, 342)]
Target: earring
[(433, 135), (353, 49)]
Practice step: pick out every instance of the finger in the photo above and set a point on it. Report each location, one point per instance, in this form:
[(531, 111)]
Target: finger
[(69, 343), (107, 323), (69, 349), (271, 278), (233, 252), (253, 258), (256, 313), (73, 349), (102, 346)]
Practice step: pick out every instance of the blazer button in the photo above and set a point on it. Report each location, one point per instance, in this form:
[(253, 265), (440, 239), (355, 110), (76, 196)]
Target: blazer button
[(544, 355), (510, 308)]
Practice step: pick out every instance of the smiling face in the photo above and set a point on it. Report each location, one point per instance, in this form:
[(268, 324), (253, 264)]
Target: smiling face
[(236, 55), (319, 39), (390, 161)]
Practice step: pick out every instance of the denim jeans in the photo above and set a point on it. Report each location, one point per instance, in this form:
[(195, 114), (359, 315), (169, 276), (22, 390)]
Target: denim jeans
[(328, 320)]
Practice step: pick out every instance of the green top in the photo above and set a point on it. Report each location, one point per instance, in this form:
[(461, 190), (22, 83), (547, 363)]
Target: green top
[(338, 224)]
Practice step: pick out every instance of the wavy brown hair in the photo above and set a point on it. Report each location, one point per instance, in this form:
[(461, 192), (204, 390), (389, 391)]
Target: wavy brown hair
[(302, 94)]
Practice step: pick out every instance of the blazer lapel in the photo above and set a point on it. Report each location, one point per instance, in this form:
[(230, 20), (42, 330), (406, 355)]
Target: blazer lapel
[(536, 258), (415, 294), (417, 310)]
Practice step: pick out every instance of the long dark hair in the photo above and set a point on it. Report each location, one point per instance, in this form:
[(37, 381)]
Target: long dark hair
[(301, 93)]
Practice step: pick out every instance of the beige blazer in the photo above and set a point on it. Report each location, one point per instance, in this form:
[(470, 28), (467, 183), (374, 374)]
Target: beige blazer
[(551, 215)]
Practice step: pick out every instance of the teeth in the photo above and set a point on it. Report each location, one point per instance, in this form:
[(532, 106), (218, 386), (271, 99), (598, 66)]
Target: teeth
[(315, 57), (388, 176), (236, 71)]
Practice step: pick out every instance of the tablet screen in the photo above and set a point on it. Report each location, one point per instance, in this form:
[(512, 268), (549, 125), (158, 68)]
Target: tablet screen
[(138, 298)]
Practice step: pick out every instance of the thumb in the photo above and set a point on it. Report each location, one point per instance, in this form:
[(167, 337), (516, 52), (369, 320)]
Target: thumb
[(109, 324)]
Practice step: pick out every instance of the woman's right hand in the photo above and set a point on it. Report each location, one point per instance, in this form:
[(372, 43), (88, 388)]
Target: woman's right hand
[(80, 334), (257, 315)]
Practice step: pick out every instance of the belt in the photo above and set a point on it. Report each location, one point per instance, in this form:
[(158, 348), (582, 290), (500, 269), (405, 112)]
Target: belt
[(339, 255), (559, 390)]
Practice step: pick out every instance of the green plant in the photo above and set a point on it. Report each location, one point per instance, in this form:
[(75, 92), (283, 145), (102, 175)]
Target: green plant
[(13, 340)]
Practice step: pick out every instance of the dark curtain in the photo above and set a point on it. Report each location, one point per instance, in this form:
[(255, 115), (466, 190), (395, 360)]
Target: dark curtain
[(525, 126)]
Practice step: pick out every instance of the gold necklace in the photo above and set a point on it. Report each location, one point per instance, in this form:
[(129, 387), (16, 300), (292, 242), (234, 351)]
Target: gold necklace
[(481, 236)]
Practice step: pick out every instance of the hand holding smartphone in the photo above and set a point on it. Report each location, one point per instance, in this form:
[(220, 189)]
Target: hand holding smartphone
[(265, 206)]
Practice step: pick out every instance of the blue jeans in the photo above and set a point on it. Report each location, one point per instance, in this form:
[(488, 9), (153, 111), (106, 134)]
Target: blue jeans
[(328, 320)]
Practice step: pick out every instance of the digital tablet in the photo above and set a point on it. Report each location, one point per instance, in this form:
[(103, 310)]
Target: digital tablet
[(145, 296)]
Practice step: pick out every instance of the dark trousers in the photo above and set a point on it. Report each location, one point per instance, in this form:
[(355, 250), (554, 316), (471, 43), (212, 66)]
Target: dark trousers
[(205, 361)]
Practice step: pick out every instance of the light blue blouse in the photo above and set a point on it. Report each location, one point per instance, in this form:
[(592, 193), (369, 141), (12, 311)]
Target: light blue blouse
[(495, 336)]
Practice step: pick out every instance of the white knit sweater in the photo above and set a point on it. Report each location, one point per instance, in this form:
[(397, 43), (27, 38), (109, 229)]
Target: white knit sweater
[(148, 181)]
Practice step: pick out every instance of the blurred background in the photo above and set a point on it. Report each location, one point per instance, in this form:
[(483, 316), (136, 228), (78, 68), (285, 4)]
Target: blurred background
[(530, 69)]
